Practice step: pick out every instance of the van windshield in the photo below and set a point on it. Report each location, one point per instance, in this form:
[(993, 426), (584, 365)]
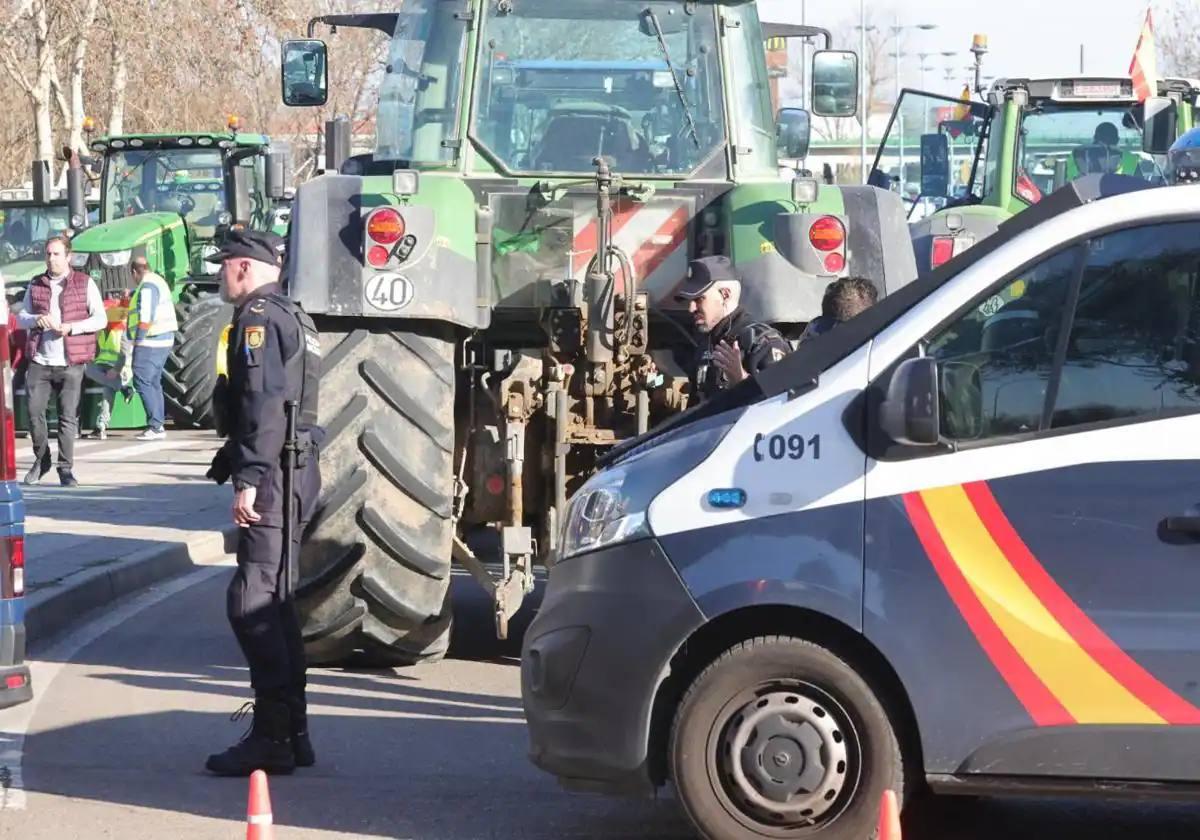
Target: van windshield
[(560, 84)]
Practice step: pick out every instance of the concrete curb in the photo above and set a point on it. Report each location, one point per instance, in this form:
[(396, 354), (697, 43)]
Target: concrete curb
[(53, 609)]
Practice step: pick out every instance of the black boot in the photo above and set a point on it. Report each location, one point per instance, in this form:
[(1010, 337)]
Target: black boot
[(264, 747), (302, 748)]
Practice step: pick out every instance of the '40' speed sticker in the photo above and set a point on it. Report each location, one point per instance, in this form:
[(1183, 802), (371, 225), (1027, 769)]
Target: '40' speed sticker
[(387, 292)]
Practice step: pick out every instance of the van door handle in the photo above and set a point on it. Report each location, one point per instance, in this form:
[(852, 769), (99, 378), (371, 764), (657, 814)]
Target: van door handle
[(1189, 524)]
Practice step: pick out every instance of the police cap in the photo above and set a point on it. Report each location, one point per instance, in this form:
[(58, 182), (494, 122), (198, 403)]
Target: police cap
[(261, 246), (703, 273)]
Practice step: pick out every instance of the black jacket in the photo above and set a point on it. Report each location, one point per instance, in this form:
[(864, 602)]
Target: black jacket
[(761, 345)]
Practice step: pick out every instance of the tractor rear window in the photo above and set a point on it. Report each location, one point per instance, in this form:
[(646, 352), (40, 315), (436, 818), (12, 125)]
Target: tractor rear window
[(561, 84)]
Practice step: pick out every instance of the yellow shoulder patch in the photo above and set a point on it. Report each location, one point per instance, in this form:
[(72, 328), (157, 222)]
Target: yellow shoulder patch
[(256, 337)]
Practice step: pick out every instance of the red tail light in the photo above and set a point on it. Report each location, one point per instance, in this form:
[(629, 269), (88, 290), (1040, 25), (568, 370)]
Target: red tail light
[(12, 561), (385, 226), (14, 681), (835, 263), (943, 250), (827, 234), (378, 256)]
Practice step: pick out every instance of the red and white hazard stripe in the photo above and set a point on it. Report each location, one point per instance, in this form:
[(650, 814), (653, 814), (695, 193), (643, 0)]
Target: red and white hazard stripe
[(653, 234)]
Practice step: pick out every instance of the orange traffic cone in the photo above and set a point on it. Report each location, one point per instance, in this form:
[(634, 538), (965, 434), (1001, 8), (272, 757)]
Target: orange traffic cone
[(259, 822), (889, 817)]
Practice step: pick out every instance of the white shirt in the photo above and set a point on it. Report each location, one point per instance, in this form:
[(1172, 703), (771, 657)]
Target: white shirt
[(51, 349)]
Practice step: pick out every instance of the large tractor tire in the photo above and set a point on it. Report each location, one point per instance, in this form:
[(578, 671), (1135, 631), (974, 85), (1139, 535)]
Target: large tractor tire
[(190, 374), (375, 565)]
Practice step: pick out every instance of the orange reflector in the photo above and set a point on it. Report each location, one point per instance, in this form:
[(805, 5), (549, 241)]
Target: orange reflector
[(827, 234), (385, 226)]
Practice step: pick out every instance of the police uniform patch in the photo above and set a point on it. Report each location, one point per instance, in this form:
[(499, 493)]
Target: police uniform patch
[(256, 337)]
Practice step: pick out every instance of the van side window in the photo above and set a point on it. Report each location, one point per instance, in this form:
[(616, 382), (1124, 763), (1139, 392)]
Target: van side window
[(1133, 340), (1134, 349), (996, 361)]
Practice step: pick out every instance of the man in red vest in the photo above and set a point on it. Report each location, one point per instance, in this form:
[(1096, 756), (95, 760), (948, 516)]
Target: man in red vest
[(62, 313)]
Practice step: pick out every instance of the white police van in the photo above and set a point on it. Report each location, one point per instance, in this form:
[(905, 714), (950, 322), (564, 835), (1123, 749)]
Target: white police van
[(954, 542)]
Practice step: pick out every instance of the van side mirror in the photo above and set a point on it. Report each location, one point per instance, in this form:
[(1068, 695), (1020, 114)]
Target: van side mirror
[(834, 83), (304, 70), (909, 414), (935, 165), (1160, 125), (794, 130)]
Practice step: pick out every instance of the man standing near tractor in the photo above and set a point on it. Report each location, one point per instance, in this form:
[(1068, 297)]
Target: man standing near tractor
[(62, 313), (733, 346), (152, 327), (268, 409)]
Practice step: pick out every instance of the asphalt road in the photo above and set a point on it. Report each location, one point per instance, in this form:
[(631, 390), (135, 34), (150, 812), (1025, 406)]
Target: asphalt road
[(130, 704)]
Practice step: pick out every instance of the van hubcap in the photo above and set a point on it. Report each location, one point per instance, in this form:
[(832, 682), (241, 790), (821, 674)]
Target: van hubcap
[(784, 758)]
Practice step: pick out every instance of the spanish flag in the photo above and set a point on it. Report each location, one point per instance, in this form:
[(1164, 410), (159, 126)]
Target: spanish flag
[(1144, 67)]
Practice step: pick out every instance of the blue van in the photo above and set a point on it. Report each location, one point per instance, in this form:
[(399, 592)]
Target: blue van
[(15, 684), (951, 544)]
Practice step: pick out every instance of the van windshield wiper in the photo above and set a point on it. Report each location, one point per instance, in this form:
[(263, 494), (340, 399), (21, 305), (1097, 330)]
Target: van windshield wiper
[(662, 45)]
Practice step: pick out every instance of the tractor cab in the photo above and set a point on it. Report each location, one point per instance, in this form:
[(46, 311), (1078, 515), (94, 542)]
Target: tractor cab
[(28, 217), (965, 166)]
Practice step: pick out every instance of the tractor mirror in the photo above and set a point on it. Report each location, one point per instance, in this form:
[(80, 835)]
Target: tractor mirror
[(240, 182), (935, 165), (794, 131), (305, 73), (278, 175), (1161, 123), (835, 83)]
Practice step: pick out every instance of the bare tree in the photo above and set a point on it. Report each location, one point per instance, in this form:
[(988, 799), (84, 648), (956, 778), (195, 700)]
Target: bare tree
[(32, 71), (1179, 36)]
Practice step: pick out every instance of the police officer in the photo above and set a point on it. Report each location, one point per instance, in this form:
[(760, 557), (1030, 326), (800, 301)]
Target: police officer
[(732, 346), (273, 361)]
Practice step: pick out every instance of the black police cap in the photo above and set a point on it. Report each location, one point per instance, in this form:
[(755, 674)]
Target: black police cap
[(257, 245), (703, 273)]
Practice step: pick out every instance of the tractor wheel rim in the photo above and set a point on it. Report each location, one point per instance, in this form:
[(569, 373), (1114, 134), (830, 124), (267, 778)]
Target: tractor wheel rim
[(786, 759)]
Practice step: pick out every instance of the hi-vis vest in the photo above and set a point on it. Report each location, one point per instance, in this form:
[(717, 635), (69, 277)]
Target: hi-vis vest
[(108, 340), (164, 312)]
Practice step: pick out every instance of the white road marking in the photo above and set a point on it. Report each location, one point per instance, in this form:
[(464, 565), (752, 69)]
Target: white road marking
[(14, 722)]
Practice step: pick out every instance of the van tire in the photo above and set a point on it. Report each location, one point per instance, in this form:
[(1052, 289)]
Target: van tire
[(375, 562), (802, 687)]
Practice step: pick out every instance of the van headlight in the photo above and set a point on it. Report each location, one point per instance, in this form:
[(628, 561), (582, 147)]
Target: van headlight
[(611, 506)]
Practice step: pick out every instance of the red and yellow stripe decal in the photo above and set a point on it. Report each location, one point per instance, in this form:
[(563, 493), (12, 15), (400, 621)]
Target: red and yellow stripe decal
[(1061, 666)]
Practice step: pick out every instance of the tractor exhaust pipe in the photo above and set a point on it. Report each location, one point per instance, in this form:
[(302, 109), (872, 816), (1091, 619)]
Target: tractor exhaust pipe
[(40, 175), (337, 143)]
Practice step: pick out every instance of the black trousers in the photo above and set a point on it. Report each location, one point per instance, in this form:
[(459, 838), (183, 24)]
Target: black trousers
[(262, 614), (66, 382)]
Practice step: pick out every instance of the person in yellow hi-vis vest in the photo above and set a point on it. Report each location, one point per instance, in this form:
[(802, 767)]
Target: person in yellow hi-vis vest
[(1103, 157), (112, 369), (152, 327)]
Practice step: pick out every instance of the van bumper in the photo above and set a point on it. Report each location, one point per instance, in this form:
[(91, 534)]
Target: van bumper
[(593, 660), (12, 666)]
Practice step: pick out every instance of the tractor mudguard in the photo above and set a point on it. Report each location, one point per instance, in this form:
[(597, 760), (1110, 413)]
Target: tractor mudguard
[(326, 269)]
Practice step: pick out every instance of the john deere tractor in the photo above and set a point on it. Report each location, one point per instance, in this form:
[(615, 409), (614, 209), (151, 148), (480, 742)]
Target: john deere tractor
[(964, 167), (494, 285), (170, 198)]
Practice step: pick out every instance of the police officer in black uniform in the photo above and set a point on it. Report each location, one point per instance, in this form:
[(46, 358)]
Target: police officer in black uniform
[(732, 346), (273, 365)]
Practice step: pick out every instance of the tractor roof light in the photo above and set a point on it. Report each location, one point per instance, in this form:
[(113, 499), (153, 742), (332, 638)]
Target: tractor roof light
[(805, 190), (233, 122)]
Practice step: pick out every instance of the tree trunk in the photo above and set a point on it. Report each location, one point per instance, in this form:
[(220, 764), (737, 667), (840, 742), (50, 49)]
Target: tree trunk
[(43, 84), (78, 61), (116, 114)]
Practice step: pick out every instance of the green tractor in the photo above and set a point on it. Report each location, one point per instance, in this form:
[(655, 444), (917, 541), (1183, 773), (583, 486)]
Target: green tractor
[(170, 198), (495, 284), (964, 167), (28, 217)]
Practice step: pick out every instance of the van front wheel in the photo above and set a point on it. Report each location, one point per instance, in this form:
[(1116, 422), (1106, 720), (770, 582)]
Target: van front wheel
[(781, 738)]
